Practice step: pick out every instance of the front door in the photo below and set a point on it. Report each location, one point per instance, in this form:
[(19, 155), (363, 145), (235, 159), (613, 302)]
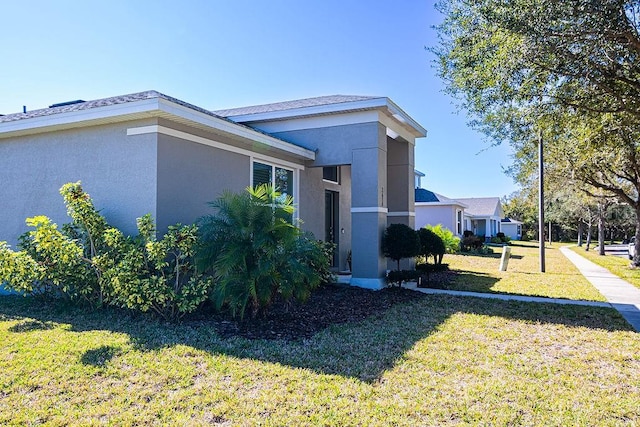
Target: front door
[(331, 225)]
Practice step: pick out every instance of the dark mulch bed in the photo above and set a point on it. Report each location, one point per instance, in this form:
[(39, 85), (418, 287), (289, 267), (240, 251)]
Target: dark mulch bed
[(328, 305), (438, 280)]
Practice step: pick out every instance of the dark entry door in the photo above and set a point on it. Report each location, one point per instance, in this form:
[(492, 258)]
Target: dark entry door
[(331, 225)]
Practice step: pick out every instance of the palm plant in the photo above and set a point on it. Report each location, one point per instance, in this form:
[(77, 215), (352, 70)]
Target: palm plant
[(252, 249)]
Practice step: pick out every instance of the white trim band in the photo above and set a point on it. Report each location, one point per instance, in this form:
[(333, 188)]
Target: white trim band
[(401, 214), (211, 143), (372, 209)]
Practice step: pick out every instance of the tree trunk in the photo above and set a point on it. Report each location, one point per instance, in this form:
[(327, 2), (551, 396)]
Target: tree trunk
[(588, 236), (636, 256), (580, 231), (601, 231)]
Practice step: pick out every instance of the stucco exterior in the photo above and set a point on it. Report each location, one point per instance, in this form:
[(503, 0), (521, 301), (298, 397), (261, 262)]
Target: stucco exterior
[(190, 175), (434, 215), (511, 228), (150, 153), (120, 175)]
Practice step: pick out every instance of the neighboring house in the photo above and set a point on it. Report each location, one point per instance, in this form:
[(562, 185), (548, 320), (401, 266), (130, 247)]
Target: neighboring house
[(418, 177), (348, 162), (483, 215), (511, 228), (433, 208)]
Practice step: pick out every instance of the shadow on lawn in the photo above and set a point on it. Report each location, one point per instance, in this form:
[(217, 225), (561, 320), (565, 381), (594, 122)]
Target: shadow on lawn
[(363, 350)]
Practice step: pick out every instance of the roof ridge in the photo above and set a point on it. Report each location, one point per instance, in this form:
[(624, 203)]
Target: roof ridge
[(295, 103)]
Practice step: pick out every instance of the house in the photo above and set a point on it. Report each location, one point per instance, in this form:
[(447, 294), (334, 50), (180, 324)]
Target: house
[(433, 208), (511, 228), (483, 215), (348, 162)]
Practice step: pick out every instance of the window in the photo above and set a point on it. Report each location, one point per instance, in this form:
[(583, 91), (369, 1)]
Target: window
[(262, 174), (459, 222), (280, 178), (331, 173)]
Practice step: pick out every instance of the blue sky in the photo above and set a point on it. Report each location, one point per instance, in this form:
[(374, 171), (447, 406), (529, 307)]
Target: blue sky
[(222, 54)]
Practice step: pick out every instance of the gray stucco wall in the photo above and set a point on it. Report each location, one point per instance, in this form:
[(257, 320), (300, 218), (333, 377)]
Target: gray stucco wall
[(312, 212), (336, 143), (364, 147), (190, 175), (400, 175), (116, 170)]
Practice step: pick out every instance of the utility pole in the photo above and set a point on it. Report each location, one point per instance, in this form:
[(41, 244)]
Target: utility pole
[(541, 202)]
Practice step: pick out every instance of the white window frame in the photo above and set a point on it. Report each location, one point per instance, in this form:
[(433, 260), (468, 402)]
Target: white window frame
[(337, 173), (459, 219), (289, 167)]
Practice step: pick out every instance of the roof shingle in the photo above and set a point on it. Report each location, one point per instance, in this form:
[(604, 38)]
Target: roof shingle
[(482, 206), (114, 100), (290, 105)]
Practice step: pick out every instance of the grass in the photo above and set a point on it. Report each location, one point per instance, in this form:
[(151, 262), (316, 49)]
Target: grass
[(615, 264), (561, 280), (439, 360)]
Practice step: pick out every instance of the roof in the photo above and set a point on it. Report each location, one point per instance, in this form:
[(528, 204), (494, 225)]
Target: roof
[(136, 106), (483, 206), (114, 100), (323, 106), (290, 105), (510, 220), (425, 196)]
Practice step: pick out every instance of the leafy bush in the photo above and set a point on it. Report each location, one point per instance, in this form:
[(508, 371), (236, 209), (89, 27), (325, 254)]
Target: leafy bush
[(400, 241), (397, 277), (91, 262), (64, 271), (450, 240), (256, 254), (431, 245), (503, 237), (467, 233), (145, 274), (432, 268), (471, 243), (496, 240), (18, 270)]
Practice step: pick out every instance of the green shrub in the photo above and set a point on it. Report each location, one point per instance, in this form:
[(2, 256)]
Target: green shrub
[(18, 270), (149, 275), (87, 224), (397, 277), (471, 243), (255, 253), (431, 245), (431, 268), (400, 241), (93, 263), (64, 270), (451, 241)]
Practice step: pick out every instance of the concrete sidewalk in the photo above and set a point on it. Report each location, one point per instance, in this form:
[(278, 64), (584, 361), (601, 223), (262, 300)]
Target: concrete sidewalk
[(505, 297), (622, 295)]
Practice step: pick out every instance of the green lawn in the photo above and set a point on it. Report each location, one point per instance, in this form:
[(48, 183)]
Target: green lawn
[(615, 264), (439, 360), (523, 277)]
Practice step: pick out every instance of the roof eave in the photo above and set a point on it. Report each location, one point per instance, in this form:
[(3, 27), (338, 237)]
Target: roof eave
[(147, 108), (369, 104)]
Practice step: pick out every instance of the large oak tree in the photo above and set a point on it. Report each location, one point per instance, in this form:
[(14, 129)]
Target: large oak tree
[(568, 71)]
